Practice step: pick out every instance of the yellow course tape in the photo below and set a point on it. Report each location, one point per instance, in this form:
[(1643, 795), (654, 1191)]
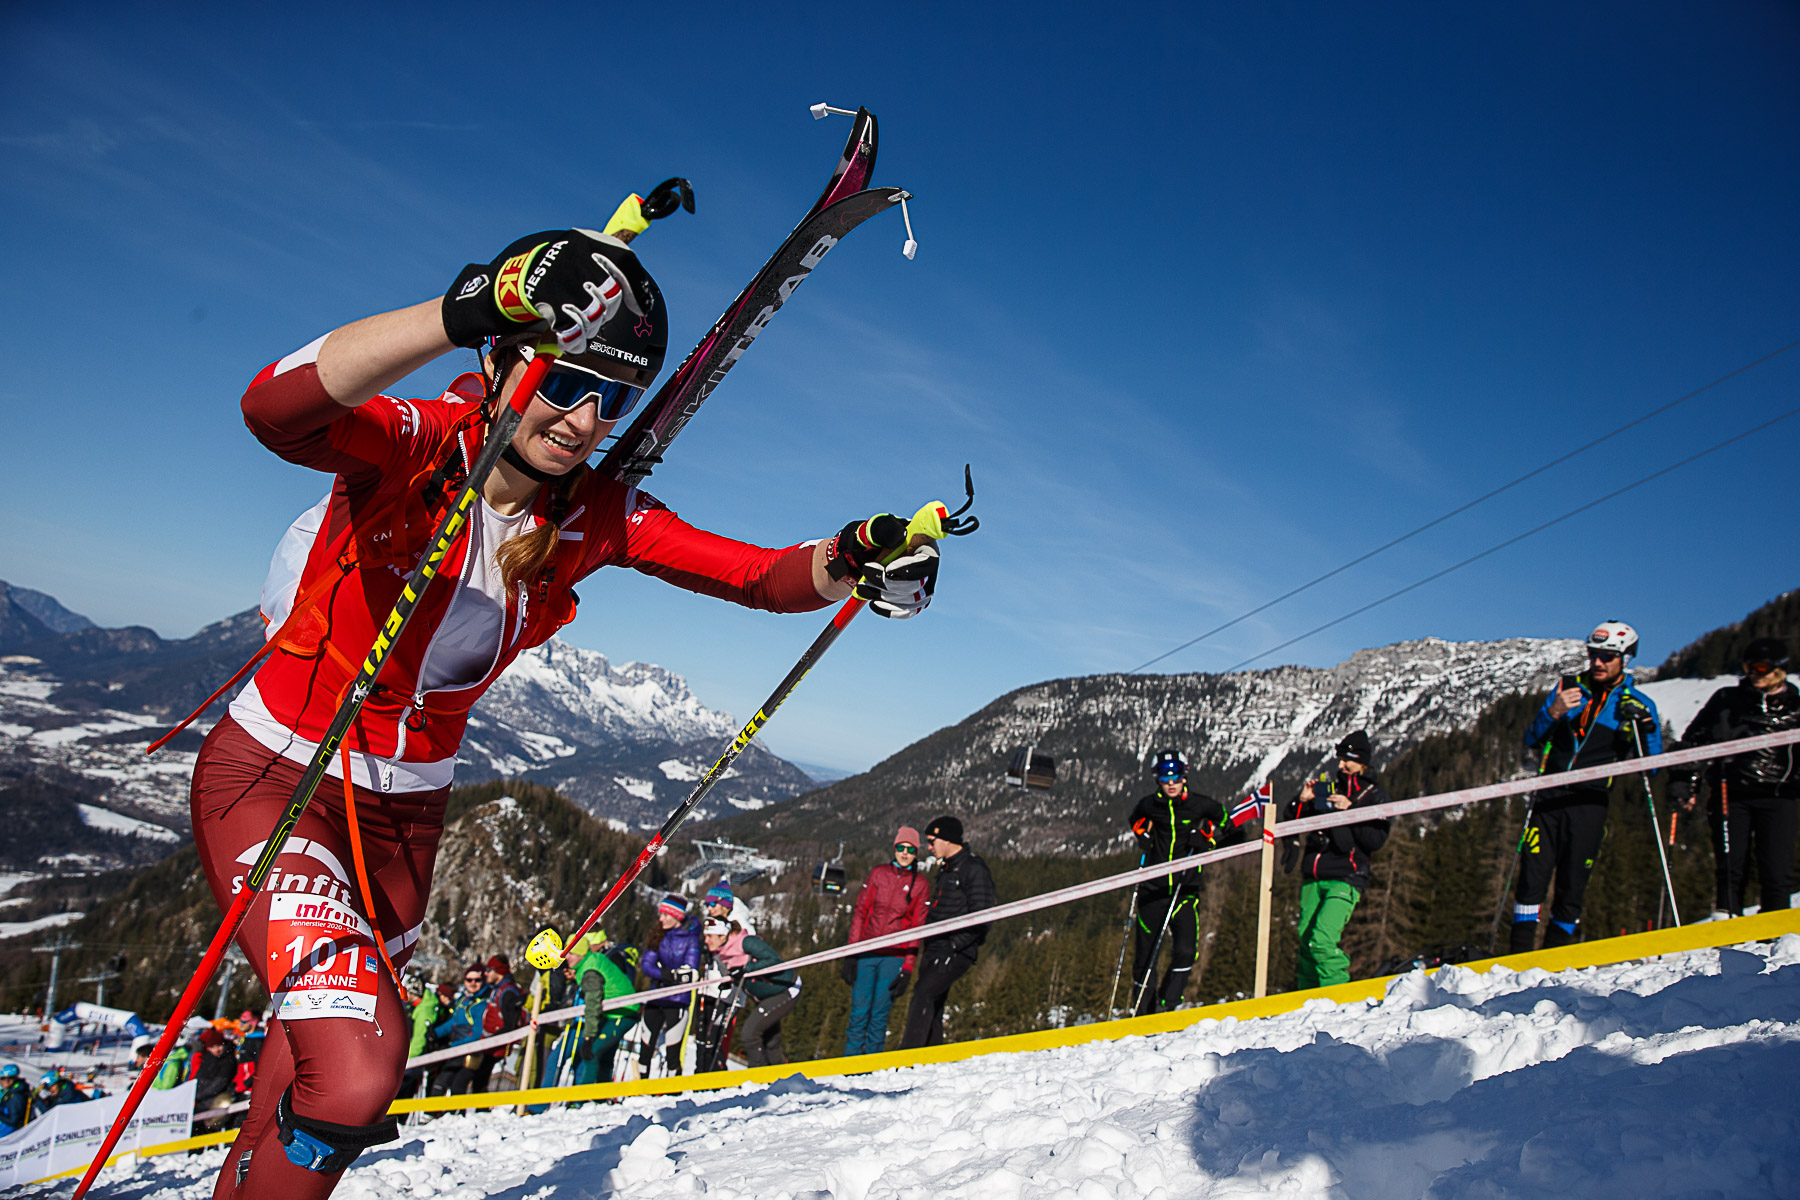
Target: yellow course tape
[(1760, 928), (1763, 927)]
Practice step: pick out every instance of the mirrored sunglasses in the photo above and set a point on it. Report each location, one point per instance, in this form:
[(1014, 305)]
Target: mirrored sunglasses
[(568, 386), (905, 848), (1758, 668), (1603, 655)]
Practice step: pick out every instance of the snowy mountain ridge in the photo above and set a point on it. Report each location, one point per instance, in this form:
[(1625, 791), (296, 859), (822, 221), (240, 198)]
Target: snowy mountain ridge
[(78, 704), (1237, 730), (558, 697)]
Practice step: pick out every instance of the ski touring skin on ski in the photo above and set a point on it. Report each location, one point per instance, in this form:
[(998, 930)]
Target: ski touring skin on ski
[(841, 207), (932, 523)]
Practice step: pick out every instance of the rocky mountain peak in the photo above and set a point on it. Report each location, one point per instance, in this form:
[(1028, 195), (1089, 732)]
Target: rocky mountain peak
[(1237, 730)]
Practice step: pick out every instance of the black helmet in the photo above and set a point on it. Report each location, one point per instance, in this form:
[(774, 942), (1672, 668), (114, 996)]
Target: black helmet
[(1171, 764), (1766, 649), (632, 343)]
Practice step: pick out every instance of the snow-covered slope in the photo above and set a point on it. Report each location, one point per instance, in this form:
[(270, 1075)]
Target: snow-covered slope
[(1679, 700), (1678, 1077)]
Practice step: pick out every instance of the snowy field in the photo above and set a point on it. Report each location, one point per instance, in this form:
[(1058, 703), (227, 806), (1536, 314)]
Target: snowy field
[(1673, 1078)]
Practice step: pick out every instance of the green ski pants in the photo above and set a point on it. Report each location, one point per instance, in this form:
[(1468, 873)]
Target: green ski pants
[(1325, 908)]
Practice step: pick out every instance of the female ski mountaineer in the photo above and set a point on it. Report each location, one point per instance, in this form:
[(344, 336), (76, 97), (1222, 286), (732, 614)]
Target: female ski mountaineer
[(358, 867)]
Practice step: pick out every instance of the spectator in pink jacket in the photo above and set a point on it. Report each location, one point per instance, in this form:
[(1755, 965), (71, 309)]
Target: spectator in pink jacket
[(895, 897)]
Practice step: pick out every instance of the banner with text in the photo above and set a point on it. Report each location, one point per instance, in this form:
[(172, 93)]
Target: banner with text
[(68, 1136)]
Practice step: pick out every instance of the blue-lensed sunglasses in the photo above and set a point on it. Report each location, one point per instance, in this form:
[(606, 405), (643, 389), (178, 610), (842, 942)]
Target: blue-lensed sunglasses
[(569, 385)]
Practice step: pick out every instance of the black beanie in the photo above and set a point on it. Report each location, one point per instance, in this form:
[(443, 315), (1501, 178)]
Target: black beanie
[(1767, 649), (1355, 748), (948, 828)]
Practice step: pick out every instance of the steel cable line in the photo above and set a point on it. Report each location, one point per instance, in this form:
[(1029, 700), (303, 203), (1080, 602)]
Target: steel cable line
[(1481, 499), (1516, 538)]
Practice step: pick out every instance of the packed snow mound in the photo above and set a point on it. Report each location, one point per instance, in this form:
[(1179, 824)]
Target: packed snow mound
[(1675, 1077)]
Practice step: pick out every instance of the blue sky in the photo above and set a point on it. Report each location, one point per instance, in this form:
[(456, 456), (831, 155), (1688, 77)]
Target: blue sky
[(1213, 298)]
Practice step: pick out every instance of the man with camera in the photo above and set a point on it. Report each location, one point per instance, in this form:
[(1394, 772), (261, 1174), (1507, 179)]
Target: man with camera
[(1592, 719), (1755, 797)]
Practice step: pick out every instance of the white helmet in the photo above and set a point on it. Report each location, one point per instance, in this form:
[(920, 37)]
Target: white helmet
[(1616, 636)]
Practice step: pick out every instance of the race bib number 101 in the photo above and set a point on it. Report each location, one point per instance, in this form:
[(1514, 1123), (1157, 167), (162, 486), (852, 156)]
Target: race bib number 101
[(324, 955)]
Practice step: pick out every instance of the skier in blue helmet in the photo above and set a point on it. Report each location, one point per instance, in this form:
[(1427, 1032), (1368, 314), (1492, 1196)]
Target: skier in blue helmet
[(1171, 823)]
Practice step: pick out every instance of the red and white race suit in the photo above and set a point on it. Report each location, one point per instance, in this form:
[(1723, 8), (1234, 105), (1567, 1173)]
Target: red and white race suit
[(340, 1036)]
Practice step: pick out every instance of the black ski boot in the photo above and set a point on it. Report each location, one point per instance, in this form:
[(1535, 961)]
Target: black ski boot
[(1524, 937)]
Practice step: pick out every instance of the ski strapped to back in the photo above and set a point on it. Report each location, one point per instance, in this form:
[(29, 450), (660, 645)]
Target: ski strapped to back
[(842, 206)]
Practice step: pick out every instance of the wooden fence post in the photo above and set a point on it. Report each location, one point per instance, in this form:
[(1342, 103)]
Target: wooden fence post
[(1265, 900), (528, 1073)]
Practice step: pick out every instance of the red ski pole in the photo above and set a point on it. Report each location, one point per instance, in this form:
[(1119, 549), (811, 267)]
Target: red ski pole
[(455, 518)]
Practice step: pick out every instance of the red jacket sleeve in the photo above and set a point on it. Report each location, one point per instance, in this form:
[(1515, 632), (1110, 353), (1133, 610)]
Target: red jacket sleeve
[(659, 543), (291, 413), (859, 916)]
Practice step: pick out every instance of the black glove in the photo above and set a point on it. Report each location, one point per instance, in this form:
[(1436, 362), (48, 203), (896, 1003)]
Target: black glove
[(1681, 793), (565, 277), (847, 970), (862, 542), (899, 984), (737, 976), (584, 1049), (1632, 711), (1290, 855)]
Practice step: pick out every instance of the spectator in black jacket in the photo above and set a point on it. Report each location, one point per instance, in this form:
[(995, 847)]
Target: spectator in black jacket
[(1169, 824), (1334, 862), (1756, 796), (216, 1071), (963, 886)]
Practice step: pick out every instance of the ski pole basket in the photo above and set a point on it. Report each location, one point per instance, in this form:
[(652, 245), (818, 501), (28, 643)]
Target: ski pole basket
[(1029, 769)]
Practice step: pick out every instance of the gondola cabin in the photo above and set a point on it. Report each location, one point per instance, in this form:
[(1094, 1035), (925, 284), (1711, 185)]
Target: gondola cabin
[(1029, 769)]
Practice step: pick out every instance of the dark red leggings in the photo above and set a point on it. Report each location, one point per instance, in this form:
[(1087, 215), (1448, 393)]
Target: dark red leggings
[(344, 1069)]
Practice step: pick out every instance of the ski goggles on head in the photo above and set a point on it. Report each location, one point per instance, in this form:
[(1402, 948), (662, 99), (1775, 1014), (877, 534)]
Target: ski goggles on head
[(567, 386)]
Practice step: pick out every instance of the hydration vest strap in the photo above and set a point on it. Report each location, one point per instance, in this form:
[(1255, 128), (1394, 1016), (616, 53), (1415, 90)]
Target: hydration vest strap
[(307, 601), (362, 873)]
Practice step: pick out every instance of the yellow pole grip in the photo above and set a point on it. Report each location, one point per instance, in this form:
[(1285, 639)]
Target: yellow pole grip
[(628, 219)]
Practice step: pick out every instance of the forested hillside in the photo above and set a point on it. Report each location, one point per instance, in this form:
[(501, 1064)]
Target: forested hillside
[(1718, 652)]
